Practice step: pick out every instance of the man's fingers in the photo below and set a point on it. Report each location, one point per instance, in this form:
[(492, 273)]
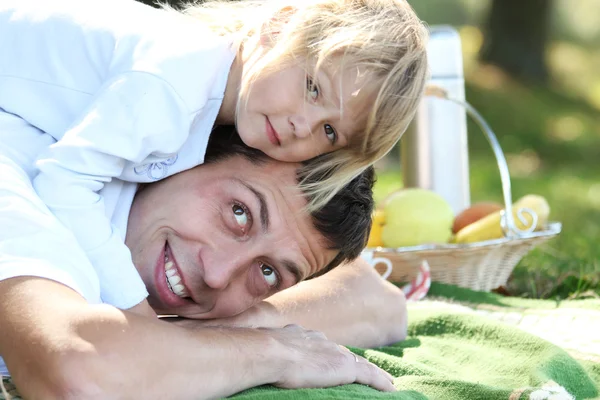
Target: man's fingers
[(371, 375), (358, 358), (350, 367), (389, 376)]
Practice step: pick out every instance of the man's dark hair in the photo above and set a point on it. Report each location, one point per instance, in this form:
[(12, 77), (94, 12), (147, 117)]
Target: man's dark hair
[(344, 222)]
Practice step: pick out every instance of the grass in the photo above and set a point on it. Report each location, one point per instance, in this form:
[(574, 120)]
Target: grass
[(552, 144)]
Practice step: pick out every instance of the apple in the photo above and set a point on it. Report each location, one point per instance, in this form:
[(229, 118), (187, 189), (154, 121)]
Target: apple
[(475, 213), (416, 216)]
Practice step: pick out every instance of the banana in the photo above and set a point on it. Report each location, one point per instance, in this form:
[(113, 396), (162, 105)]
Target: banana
[(376, 228), (489, 227)]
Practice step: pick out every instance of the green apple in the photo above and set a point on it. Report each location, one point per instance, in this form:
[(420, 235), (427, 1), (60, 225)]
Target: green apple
[(416, 216)]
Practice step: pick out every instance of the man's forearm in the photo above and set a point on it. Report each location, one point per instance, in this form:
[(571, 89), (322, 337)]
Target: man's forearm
[(352, 305), (57, 346), (53, 344)]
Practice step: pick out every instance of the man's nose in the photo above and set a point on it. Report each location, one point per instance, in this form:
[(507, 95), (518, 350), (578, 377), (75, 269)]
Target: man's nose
[(224, 270)]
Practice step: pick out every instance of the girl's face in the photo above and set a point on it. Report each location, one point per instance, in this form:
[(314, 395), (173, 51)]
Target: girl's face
[(293, 116)]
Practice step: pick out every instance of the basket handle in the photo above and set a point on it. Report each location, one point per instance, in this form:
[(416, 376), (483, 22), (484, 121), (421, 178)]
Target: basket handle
[(507, 222)]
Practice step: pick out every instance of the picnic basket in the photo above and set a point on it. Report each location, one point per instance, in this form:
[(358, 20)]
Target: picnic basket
[(481, 266)]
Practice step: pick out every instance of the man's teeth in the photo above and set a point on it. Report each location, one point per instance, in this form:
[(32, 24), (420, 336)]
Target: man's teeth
[(173, 280)]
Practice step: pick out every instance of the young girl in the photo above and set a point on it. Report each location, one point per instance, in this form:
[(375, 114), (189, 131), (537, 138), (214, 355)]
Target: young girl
[(131, 92)]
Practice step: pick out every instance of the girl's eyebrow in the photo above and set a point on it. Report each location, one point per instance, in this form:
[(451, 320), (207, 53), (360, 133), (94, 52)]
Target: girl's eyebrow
[(332, 91), (333, 96)]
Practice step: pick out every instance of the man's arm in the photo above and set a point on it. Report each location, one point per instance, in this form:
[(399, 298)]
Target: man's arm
[(351, 304), (58, 346)]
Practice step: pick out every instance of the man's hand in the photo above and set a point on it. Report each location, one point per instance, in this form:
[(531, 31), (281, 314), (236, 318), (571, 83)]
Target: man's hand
[(322, 363)]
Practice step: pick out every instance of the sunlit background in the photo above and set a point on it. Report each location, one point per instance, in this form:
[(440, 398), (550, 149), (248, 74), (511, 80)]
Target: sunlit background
[(548, 125)]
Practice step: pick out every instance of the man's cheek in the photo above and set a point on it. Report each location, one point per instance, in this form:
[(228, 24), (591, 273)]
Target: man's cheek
[(198, 218)]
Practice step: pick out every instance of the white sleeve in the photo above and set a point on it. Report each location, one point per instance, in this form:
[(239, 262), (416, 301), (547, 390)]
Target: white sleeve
[(33, 242), (134, 115)]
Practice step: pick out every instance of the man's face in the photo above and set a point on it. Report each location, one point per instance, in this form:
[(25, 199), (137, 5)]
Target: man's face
[(213, 241)]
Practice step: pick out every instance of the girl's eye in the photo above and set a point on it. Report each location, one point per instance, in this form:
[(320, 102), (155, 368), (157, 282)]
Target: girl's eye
[(242, 216), (270, 275), (330, 133), (311, 88)]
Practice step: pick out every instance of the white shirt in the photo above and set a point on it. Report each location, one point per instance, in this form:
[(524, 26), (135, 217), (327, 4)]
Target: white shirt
[(59, 263), (32, 241), (129, 92)]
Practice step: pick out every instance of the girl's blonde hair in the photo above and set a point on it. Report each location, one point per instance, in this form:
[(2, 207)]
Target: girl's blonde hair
[(385, 38)]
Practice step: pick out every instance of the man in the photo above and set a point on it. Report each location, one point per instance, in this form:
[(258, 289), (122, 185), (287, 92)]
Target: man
[(231, 233)]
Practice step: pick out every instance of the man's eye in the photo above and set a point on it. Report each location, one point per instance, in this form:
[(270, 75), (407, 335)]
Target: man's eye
[(330, 133), (311, 88), (270, 275), (242, 216)]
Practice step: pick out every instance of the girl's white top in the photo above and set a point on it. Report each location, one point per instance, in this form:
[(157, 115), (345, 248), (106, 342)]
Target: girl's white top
[(127, 91)]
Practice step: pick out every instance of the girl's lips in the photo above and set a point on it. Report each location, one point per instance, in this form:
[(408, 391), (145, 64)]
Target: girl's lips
[(272, 133)]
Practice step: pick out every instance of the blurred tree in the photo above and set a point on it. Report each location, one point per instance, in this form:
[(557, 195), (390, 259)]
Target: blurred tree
[(442, 12), (515, 38), (148, 2), (174, 3)]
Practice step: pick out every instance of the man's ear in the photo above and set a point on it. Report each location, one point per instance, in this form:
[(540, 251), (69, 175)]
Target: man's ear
[(271, 29)]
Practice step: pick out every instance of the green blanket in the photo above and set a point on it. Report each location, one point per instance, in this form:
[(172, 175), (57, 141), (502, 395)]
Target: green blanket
[(463, 356), (456, 351)]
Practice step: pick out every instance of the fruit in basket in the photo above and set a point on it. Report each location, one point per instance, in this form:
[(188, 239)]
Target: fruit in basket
[(416, 216), (474, 213), (489, 227), (376, 228)]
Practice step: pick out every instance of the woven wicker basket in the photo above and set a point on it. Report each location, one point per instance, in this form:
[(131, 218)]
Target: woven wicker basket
[(479, 266)]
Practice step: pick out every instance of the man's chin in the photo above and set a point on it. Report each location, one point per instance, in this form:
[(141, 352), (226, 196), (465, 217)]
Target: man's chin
[(193, 311)]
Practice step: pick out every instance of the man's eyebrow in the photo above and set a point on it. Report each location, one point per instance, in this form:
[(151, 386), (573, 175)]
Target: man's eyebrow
[(291, 266), (264, 209), (294, 269)]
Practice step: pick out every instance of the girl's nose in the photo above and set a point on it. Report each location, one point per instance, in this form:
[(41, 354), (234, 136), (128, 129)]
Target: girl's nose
[(300, 127), (307, 124)]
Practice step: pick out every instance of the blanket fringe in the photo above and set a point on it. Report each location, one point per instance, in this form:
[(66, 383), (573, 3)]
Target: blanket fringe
[(549, 391), (4, 392)]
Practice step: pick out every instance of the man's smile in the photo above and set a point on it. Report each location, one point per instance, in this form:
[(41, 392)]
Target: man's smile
[(173, 278), (170, 282)]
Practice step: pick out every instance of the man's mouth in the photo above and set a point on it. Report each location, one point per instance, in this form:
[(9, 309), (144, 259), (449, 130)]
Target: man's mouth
[(271, 133), (174, 281)]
